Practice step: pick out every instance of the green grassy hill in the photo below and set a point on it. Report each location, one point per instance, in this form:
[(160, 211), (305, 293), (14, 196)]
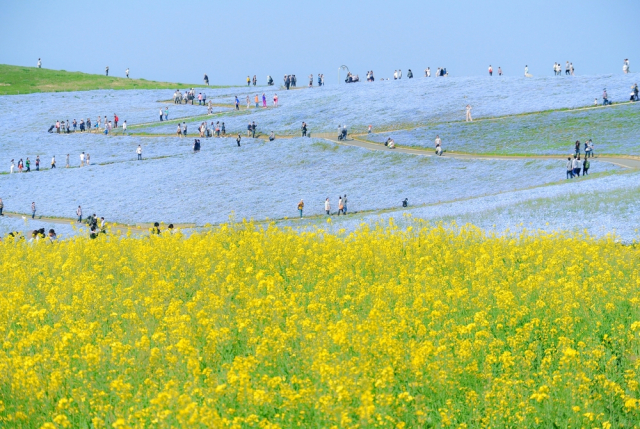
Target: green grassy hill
[(25, 80)]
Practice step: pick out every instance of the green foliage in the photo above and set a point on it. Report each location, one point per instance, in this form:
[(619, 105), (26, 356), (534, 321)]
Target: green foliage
[(26, 80)]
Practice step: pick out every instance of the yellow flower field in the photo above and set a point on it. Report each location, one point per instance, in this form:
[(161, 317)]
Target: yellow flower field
[(249, 326)]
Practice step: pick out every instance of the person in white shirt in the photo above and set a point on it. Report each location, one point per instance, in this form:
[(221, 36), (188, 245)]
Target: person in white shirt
[(438, 146), (124, 127), (399, 74), (327, 206), (82, 159), (468, 118), (12, 166), (490, 70), (428, 72), (127, 72), (395, 75), (625, 67), (526, 71), (569, 168), (139, 151), (39, 63)]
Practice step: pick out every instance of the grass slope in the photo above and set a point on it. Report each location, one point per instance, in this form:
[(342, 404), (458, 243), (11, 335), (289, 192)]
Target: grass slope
[(26, 80)]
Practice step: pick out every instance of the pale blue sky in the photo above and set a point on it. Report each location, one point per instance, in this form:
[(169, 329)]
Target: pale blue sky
[(180, 41)]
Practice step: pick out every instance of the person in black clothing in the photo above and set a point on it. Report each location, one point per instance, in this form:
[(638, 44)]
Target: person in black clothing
[(253, 129), (238, 139), (304, 129), (206, 79)]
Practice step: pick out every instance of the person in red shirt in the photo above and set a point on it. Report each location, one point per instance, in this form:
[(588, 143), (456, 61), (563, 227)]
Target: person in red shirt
[(115, 120)]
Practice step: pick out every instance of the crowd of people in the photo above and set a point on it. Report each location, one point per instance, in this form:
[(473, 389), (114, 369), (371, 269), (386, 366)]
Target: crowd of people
[(62, 127), (25, 166), (576, 165), (568, 69), (342, 206), (189, 96)]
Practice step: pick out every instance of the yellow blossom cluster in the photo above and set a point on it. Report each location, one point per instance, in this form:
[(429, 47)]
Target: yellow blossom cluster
[(245, 325)]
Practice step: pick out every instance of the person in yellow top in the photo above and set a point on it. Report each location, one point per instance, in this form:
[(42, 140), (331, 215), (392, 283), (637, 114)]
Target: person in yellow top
[(248, 81), (257, 100), (300, 207)]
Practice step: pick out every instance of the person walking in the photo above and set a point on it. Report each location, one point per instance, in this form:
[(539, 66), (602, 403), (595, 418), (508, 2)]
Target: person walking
[(301, 207), (257, 100), (248, 103), (67, 164), (37, 162), (139, 151), (264, 101), (253, 129), (166, 113), (127, 72), (106, 71), (79, 213), (578, 167), (275, 100), (438, 145), (585, 166), (237, 103), (87, 159), (327, 206), (238, 139), (12, 167), (499, 71), (344, 204), (248, 81), (160, 113), (1, 207), (249, 129), (82, 159), (20, 165), (490, 70), (304, 129), (569, 168), (53, 162), (124, 127), (340, 205), (33, 210), (468, 117), (39, 63), (28, 163)]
